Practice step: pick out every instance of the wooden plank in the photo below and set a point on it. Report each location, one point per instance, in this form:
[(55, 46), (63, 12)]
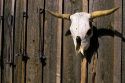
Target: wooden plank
[(33, 66), (24, 42), (12, 39), (7, 49), (104, 68), (41, 18), (18, 78), (117, 43), (123, 44), (59, 44), (85, 5), (50, 42), (84, 70)]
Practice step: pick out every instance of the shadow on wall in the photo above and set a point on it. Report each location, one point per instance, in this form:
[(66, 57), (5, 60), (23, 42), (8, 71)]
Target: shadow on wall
[(94, 44)]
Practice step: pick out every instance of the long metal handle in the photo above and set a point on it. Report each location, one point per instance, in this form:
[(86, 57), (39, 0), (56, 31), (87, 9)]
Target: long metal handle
[(41, 36)]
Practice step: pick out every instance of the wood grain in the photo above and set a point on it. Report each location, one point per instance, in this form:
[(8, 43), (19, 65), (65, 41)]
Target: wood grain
[(7, 72), (59, 45), (117, 42), (123, 44), (33, 66), (51, 24)]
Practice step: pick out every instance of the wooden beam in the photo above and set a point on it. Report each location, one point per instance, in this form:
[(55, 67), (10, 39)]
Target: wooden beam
[(117, 42), (59, 44), (84, 62)]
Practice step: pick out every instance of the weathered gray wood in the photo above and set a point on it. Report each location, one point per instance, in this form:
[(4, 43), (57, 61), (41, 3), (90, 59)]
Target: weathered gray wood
[(7, 50), (117, 42), (18, 73), (33, 66), (123, 44), (50, 43), (41, 17), (85, 5), (24, 41), (62, 64), (59, 44)]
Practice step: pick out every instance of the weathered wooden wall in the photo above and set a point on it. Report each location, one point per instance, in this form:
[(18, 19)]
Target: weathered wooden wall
[(34, 48)]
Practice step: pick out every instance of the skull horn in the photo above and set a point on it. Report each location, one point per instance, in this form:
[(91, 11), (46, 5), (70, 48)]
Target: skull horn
[(102, 13), (64, 16)]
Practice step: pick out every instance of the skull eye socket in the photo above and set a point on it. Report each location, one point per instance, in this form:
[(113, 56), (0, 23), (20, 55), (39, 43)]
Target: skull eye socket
[(89, 32)]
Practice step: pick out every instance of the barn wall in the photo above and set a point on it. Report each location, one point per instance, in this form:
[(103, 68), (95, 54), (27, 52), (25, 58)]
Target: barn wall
[(34, 47)]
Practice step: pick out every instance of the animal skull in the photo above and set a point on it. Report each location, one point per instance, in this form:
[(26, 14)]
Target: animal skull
[(80, 31), (80, 28)]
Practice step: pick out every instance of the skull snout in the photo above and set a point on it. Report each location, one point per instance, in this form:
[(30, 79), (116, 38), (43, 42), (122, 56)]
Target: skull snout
[(78, 45), (81, 45)]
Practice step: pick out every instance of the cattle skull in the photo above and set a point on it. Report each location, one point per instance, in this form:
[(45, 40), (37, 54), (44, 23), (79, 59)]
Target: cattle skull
[(80, 28)]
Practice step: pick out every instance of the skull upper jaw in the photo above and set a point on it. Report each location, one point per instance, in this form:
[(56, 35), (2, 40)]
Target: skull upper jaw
[(83, 47)]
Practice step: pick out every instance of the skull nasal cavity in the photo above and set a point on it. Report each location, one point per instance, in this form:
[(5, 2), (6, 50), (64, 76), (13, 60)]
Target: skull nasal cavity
[(78, 41)]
